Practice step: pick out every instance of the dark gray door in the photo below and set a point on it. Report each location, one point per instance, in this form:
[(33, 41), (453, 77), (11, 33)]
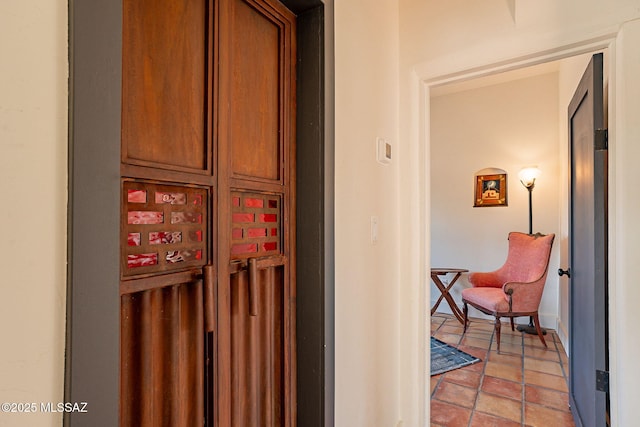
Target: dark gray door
[(588, 341)]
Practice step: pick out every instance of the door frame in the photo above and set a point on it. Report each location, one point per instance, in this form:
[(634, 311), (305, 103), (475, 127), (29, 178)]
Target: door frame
[(423, 80), (92, 359)]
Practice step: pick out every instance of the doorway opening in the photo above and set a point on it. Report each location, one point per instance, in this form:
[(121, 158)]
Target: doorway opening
[(508, 118)]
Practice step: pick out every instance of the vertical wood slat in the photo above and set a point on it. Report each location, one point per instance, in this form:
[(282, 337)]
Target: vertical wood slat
[(258, 351), (162, 357), (145, 354)]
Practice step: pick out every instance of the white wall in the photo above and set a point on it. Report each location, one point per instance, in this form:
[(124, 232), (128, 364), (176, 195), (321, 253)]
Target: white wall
[(445, 41), (33, 168), (508, 126), (367, 285)]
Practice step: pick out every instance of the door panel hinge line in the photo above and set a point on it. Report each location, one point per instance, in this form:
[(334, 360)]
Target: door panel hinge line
[(601, 139), (602, 381)]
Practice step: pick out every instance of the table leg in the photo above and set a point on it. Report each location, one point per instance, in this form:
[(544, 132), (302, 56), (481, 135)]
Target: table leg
[(444, 293)]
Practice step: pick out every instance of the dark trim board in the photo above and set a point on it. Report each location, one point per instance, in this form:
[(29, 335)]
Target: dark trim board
[(93, 303), (314, 248)]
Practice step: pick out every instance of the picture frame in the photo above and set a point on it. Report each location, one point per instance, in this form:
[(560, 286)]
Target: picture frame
[(490, 190)]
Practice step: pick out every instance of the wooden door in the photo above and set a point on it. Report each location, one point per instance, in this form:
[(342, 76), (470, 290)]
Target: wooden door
[(256, 223), (588, 340), (208, 226), (168, 212)]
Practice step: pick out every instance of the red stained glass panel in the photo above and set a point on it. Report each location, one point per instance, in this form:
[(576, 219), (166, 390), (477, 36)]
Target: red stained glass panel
[(251, 202), (268, 218), (255, 224), (145, 217), (133, 239), (142, 260), (164, 237), (195, 236), (186, 218), (270, 246), (171, 198), (244, 248), (173, 257), (136, 196), (243, 217), (257, 232)]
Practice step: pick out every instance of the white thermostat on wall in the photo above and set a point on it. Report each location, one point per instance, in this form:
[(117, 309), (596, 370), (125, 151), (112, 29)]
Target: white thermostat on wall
[(383, 151)]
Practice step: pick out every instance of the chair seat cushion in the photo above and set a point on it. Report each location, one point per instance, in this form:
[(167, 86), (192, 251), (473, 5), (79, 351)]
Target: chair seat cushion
[(491, 299)]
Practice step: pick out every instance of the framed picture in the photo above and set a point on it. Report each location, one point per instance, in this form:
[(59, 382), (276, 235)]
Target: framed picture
[(490, 190)]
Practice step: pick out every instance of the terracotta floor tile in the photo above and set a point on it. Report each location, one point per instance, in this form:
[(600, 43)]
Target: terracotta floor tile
[(539, 416), (541, 353), (548, 367), (481, 325), (525, 380), (534, 341), (452, 329), (502, 387), (464, 377), (475, 342), (479, 333), (434, 382), (449, 415), (456, 394), (480, 353), (506, 347), (546, 397), (499, 406), (500, 370), (478, 419), (511, 339), (507, 359), (545, 380), (450, 339)]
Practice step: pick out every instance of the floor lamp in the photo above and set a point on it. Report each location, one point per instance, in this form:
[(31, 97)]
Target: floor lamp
[(528, 179)]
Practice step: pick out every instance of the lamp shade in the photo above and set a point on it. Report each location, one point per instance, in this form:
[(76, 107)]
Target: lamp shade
[(528, 176)]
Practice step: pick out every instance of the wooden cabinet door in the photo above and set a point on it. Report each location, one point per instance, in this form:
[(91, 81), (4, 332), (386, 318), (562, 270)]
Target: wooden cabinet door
[(208, 214), (256, 253)]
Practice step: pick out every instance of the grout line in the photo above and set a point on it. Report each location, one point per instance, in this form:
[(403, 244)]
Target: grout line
[(484, 367)]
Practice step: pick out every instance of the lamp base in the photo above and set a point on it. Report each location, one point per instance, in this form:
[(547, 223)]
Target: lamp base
[(530, 329)]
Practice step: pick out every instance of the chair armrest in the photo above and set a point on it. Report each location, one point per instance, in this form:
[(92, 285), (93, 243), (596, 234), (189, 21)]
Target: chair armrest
[(523, 296), (485, 279)]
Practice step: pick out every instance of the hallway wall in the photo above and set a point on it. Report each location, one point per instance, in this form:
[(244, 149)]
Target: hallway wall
[(33, 167), (366, 273)]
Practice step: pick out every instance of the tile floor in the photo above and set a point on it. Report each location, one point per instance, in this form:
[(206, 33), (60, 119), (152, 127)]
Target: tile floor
[(524, 385)]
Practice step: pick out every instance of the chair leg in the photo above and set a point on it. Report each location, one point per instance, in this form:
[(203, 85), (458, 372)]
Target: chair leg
[(497, 328), (465, 311), (512, 326), (536, 322)]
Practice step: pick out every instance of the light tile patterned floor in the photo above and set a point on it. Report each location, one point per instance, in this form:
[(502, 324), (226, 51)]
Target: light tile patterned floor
[(524, 385)]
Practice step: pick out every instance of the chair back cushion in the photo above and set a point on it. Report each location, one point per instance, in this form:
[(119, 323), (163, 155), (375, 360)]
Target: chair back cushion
[(528, 257)]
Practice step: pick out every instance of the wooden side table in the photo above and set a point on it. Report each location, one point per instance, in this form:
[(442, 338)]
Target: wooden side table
[(444, 290)]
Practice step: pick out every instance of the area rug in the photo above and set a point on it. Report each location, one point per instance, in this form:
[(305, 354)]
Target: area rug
[(446, 358)]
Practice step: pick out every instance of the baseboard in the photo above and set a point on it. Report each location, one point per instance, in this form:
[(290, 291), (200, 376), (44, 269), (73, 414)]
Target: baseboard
[(563, 335)]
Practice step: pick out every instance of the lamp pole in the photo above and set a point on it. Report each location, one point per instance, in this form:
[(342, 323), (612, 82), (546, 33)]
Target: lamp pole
[(530, 189), (528, 179)]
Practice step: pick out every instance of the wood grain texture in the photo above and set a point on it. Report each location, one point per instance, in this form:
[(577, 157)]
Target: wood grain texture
[(166, 83)]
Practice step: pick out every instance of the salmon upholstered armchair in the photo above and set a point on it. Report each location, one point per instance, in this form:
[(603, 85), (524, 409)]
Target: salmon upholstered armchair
[(515, 289)]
